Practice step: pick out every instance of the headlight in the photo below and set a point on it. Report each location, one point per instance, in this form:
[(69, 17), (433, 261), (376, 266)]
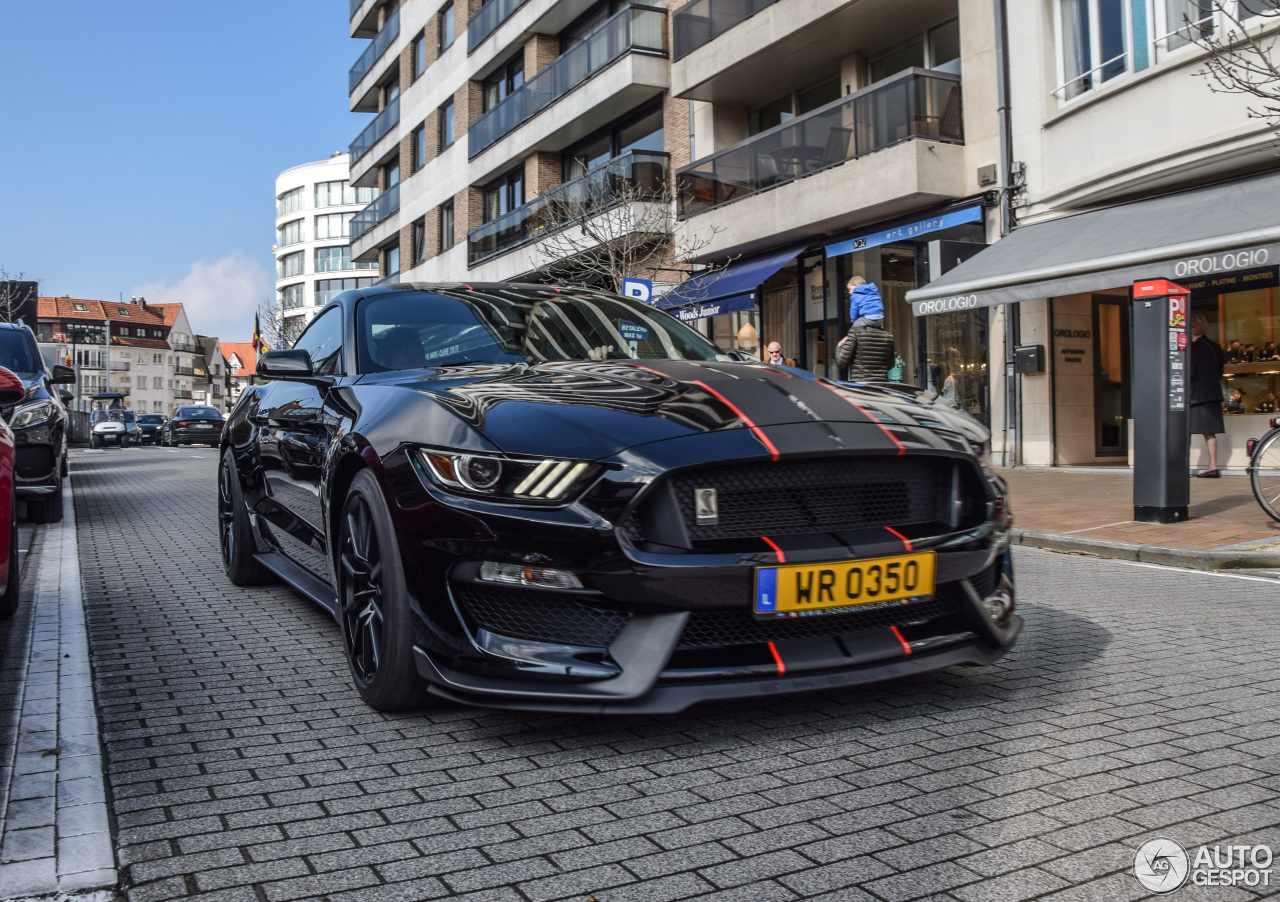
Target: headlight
[(538, 481), (31, 414)]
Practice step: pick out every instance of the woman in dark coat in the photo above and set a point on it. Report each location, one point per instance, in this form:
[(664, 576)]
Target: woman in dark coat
[(1206, 391)]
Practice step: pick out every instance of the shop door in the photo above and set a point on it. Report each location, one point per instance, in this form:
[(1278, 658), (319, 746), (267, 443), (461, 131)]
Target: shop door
[(1111, 376)]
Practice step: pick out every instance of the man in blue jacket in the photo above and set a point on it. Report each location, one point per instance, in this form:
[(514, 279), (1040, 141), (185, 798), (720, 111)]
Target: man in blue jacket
[(866, 307)]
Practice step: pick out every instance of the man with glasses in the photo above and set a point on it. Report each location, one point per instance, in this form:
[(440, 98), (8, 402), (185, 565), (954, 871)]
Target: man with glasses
[(774, 355)]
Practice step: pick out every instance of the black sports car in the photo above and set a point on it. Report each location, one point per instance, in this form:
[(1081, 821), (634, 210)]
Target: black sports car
[(560, 499)]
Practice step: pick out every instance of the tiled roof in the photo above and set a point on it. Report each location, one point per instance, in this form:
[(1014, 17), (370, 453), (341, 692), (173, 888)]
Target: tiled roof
[(140, 343), (244, 351), (66, 308), (168, 312)]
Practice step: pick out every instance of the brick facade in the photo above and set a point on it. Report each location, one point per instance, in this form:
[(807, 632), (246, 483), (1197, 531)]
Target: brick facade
[(542, 172), (540, 51)]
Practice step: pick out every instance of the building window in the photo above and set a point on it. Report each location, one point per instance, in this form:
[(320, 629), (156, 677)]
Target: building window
[(639, 131), (392, 253), (158, 360), (446, 225), (1182, 22), (157, 382), (333, 225), (293, 296), (419, 147), (289, 265), (505, 82), (1092, 46), (289, 202), (80, 308), (333, 259), (391, 174), (157, 333), (328, 289), (419, 241), (445, 20), (123, 330), (331, 194), (504, 194), (419, 56), (446, 125), (289, 233)]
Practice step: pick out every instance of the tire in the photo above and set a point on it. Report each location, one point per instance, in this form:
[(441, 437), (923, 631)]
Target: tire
[(1264, 474), (377, 625), (235, 533), (46, 508), (12, 587), (95, 442)]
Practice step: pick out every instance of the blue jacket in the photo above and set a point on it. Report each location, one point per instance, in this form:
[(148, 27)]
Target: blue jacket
[(866, 301)]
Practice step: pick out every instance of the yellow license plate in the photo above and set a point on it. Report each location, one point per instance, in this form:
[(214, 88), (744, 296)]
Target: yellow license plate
[(842, 584)]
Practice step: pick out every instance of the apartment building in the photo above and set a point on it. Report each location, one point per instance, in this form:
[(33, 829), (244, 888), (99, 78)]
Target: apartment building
[(1127, 167), (144, 350), (242, 363), (314, 206)]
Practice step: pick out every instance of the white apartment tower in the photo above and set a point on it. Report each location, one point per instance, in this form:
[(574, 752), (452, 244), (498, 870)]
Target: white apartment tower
[(314, 206)]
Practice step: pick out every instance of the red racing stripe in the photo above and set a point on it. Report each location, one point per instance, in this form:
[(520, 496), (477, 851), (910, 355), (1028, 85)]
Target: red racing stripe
[(905, 540), (764, 439), (902, 449), (905, 647), (782, 668), (782, 558)]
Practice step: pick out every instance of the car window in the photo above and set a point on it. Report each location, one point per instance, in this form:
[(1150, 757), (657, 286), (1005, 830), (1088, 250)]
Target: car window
[(413, 329), (151, 419), (15, 351), (128, 416), (323, 341)]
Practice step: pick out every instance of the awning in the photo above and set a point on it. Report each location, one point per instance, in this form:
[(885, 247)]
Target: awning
[(725, 290), (907, 232), (1217, 228)]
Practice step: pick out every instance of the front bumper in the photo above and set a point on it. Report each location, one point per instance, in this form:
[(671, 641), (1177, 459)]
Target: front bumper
[(37, 451), (202, 436)]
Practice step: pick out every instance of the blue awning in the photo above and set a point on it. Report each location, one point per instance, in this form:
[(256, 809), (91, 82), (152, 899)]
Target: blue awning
[(906, 232), (728, 289)]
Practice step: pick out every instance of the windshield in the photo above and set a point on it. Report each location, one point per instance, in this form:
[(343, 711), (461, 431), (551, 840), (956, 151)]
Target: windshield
[(111, 416), (15, 351), (414, 329), (151, 419), (206, 412)]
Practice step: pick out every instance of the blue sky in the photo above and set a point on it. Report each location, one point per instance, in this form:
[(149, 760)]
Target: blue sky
[(142, 140)]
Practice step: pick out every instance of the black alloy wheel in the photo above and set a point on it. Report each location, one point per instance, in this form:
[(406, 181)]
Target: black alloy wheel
[(12, 586), (373, 603), (235, 534)]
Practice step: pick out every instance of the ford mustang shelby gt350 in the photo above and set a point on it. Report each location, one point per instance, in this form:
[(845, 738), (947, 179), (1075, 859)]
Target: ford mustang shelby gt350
[(561, 499)]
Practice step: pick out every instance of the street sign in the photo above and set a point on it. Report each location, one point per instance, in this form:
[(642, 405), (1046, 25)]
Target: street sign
[(640, 289)]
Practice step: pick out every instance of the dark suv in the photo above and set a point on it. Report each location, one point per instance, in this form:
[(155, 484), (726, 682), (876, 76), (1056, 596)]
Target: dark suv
[(150, 428), (39, 423), (195, 424)]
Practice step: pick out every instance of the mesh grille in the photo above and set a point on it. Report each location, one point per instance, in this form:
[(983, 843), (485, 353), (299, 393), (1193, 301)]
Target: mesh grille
[(34, 461), (985, 582), (814, 496), (711, 628), (541, 617)]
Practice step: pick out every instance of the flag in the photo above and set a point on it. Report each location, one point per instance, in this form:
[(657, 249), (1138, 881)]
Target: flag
[(257, 335)]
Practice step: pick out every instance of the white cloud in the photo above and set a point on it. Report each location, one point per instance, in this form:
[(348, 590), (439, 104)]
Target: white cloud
[(220, 297)]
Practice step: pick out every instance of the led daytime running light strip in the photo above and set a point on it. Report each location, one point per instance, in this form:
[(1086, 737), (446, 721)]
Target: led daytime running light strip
[(542, 482)]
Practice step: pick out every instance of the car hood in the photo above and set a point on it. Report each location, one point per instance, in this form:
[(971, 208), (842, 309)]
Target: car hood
[(596, 409)]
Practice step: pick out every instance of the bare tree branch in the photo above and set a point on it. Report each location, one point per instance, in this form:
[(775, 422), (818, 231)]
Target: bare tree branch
[(11, 298), (1240, 61)]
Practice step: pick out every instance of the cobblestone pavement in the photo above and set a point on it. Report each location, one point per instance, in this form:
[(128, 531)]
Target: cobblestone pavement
[(1140, 702)]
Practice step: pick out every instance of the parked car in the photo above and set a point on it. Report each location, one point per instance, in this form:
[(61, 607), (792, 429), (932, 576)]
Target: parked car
[(40, 423), (194, 424), (560, 499), (150, 428), (12, 390)]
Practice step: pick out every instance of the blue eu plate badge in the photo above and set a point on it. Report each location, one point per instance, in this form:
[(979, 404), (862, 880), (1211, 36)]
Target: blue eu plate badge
[(766, 590)]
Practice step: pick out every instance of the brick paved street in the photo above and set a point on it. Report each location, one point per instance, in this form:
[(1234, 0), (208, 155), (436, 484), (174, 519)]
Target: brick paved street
[(1140, 702)]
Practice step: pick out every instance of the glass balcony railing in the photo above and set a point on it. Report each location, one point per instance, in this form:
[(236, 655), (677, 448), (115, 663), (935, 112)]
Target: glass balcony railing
[(386, 203), (916, 103), (372, 53), (381, 124), (486, 21), (635, 28), (633, 176), (702, 21)]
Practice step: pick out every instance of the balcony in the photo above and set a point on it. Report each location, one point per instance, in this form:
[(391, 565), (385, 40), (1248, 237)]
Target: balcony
[(182, 394), (913, 104), (185, 347), (486, 21), (184, 371), (381, 124), (634, 176), (635, 29), (373, 53), (383, 206), (702, 21)]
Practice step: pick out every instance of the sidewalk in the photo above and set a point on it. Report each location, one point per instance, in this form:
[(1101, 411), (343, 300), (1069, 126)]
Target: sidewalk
[(1091, 512)]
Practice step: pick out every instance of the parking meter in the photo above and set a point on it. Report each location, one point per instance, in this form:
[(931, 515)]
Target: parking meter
[(1161, 380)]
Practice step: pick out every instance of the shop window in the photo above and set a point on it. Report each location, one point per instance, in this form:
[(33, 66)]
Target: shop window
[(1092, 44)]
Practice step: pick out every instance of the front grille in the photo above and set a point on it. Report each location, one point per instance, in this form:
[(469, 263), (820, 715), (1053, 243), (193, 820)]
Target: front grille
[(34, 461), (714, 628), (798, 497), (539, 616), (985, 582)]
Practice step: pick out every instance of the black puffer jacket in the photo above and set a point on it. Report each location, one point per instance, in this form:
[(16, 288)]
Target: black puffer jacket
[(868, 352)]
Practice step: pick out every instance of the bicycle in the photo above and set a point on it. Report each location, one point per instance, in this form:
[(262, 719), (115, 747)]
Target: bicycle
[(1264, 469)]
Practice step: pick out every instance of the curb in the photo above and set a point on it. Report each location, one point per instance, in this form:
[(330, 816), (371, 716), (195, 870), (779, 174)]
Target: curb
[(1149, 554)]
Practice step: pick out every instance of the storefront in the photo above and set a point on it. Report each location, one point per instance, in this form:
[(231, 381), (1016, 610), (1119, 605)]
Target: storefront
[(1066, 284)]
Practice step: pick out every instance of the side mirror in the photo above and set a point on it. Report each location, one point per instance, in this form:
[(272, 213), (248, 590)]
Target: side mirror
[(11, 388), (63, 375), (66, 396), (285, 365)]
